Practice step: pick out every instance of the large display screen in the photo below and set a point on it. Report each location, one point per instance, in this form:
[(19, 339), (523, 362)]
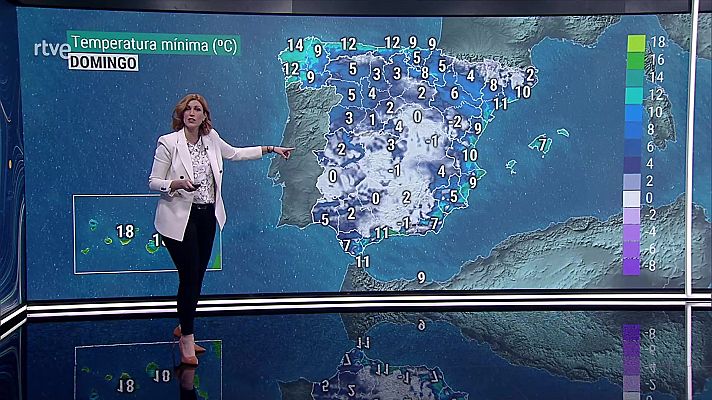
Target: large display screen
[(430, 153), (537, 355)]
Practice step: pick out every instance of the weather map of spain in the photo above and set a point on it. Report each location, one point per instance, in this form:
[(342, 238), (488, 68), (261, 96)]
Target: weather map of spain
[(401, 151), (436, 160)]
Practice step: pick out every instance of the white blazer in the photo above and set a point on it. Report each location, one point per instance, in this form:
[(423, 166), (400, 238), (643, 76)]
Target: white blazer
[(172, 161)]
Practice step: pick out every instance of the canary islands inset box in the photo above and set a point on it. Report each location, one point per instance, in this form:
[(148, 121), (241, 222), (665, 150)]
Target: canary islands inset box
[(114, 234)]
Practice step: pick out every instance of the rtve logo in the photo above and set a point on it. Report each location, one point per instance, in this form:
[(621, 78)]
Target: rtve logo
[(52, 49)]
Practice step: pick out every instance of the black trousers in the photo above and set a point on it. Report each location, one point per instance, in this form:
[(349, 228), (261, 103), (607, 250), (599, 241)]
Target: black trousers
[(191, 257)]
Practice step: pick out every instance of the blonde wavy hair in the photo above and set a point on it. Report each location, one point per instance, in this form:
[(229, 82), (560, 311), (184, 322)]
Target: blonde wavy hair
[(182, 105)]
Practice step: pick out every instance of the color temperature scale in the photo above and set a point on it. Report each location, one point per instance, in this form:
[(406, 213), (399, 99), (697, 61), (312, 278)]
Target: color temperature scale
[(631, 362), (635, 75)]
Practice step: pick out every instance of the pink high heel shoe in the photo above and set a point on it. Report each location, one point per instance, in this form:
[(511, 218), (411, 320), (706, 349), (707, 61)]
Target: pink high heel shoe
[(198, 348), (187, 351)]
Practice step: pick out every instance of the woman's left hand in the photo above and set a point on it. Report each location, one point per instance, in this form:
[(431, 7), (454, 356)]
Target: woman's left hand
[(285, 152)]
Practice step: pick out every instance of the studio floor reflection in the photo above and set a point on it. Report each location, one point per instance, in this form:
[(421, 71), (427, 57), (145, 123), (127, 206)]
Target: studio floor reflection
[(147, 367), (496, 355)]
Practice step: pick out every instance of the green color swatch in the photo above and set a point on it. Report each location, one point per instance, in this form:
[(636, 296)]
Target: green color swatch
[(636, 60), (636, 43)]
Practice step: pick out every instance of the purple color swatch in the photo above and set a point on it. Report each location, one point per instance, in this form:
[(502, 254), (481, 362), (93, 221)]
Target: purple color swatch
[(631, 333), (631, 383), (631, 349), (631, 216), (631, 165), (631, 249), (631, 266), (631, 367), (631, 233), (631, 181)]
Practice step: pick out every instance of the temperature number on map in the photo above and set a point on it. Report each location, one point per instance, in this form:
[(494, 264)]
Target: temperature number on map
[(401, 151)]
